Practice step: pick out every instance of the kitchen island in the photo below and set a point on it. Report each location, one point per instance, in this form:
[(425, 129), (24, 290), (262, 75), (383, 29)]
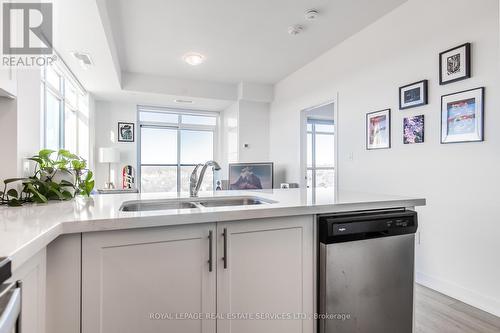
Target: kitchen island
[(110, 270)]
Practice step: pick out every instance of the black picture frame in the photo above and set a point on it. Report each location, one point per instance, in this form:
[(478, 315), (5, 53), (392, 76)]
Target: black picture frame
[(367, 135), (424, 94), (467, 63), (481, 110), (119, 132), (239, 165)]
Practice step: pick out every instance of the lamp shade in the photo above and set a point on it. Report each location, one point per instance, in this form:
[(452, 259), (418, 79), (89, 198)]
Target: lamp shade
[(109, 155)]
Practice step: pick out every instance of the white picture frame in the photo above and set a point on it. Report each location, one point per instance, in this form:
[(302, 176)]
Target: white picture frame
[(378, 129)]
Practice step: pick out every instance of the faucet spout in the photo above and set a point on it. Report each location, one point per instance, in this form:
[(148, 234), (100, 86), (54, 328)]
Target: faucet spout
[(195, 182)]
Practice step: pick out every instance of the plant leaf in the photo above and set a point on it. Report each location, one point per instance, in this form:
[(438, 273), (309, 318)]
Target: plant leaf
[(89, 176), (13, 193), (14, 203), (57, 193), (37, 196), (11, 180), (36, 159), (66, 183), (45, 153), (89, 186)]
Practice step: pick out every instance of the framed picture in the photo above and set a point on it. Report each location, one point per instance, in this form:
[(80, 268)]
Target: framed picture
[(413, 129), (126, 132), (462, 116), (378, 129), (413, 95), (454, 64), (251, 176)]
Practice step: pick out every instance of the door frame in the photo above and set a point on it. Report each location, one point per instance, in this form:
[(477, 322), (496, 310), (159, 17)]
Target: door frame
[(303, 141)]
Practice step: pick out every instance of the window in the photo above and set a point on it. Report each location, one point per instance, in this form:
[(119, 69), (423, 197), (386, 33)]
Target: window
[(172, 142), (66, 112), (320, 153)]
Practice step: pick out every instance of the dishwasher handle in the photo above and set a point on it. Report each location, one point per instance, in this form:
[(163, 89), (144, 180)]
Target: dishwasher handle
[(12, 311)]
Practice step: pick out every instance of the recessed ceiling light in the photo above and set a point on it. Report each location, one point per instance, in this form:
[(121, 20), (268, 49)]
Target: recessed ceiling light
[(183, 101), (83, 59), (311, 14), (295, 29), (193, 58)]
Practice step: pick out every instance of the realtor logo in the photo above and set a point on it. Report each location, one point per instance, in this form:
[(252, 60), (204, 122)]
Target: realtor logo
[(27, 28)]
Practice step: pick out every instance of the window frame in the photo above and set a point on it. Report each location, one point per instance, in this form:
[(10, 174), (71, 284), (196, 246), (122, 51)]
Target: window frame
[(313, 168), (179, 127), (65, 76)]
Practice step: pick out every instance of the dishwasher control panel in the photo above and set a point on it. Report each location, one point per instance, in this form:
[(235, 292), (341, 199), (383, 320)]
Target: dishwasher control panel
[(347, 227)]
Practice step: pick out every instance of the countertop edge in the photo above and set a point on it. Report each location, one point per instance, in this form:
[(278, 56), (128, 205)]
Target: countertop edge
[(25, 252)]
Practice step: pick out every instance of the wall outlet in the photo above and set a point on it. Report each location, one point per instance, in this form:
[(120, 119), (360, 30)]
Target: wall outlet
[(350, 156)]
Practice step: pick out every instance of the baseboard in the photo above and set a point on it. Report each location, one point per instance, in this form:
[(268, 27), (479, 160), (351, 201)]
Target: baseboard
[(467, 296)]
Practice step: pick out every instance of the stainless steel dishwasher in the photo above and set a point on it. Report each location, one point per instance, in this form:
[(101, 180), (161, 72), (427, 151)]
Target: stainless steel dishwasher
[(366, 272)]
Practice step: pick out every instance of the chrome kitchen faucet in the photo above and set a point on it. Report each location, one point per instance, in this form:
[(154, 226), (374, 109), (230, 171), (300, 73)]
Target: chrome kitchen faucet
[(195, 182)]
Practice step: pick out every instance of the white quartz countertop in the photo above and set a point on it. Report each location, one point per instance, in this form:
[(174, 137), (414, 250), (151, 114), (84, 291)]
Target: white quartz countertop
[(26, 230)]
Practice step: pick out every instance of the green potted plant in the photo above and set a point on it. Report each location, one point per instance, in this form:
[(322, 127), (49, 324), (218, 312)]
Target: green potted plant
[(58, 175)]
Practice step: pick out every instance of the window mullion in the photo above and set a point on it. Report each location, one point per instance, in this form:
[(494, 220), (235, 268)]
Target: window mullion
[(313, 153), (62, 115), (178, 160)]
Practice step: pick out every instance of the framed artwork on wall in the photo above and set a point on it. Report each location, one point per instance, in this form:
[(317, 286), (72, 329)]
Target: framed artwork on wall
[(251, 176), (462, 116), (413, 95), (126, 132), (378, 129), (455, 64), (413, 129)]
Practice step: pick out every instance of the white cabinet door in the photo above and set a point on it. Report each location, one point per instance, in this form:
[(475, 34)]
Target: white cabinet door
[(268, 272), (32, 274), (140, 280)]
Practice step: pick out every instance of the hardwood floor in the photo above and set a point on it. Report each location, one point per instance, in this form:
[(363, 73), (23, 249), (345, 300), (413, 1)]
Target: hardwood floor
[(438, 313)]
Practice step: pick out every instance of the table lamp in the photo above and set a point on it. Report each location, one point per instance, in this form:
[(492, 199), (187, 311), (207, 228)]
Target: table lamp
[(109, 155)]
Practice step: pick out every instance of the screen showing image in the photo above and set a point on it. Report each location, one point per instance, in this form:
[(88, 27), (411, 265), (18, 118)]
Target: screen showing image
[(248, 176)]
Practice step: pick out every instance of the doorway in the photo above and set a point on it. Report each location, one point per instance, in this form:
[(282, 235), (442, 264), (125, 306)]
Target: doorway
[(318, 153)]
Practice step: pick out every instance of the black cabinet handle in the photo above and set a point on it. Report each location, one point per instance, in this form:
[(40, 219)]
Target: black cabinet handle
[(210, 254), (224, 234)]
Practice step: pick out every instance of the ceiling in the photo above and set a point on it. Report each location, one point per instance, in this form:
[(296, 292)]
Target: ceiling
[(137, 46), (243, 40)]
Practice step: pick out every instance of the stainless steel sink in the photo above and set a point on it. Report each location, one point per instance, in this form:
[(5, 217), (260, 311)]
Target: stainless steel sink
[(150, 205), (143, 205), (232, 202)]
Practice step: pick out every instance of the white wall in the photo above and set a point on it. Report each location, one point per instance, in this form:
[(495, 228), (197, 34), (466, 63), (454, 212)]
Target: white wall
[(458, 251), (107, 116), (229, 135), (253, 130), (245, 122), (20, 123), (8, 143), (29, 115)]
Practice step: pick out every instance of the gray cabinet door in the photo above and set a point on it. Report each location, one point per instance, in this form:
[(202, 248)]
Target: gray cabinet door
[(148, 280), (268, 273)]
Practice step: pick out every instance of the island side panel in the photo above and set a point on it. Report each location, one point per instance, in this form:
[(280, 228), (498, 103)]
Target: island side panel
[(64, 284)]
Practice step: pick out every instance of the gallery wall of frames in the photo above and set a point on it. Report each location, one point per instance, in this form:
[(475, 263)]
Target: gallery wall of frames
[(462, 112)]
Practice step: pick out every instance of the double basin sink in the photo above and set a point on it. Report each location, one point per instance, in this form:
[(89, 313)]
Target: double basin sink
[(187, 203)]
